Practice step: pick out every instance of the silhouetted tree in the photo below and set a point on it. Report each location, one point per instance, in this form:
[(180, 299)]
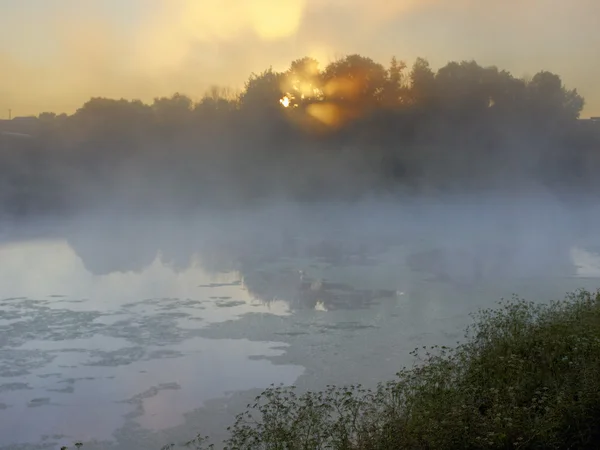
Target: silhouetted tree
[(302, 82), (218, 102), (355, 80), (466, 87), (263, 91), (395, 91), (548, 98), (172, 114), (422, 83), (353, 128)]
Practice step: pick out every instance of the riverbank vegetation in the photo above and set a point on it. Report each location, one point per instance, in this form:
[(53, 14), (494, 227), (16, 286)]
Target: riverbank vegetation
[(526, 377)]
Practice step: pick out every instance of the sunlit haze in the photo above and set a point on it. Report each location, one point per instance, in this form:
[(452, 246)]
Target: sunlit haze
[(56, 54), (200, 199)]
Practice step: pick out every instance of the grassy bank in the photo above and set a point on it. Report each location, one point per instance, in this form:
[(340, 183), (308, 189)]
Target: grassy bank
[(527, 377)]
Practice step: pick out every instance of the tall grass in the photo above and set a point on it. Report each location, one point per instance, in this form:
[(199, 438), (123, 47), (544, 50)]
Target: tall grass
[(527, 377)]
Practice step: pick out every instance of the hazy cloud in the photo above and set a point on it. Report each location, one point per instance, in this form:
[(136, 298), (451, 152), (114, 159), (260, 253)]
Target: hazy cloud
[(54, 54)]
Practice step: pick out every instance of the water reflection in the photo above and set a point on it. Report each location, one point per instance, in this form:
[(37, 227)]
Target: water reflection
[(115, 324), (83, 354)]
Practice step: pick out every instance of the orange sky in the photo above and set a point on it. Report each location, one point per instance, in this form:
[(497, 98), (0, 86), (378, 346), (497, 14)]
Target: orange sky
[(55, 54)]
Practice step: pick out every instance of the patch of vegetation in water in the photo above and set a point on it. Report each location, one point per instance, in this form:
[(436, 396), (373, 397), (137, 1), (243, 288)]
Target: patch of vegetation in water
[(14, 387), (230, 303), (527, 377), (346, 326), (39, 402), (216, 285)]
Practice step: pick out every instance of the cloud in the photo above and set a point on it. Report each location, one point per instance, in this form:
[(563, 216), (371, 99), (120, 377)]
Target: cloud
[(55, 54), (168, 38)]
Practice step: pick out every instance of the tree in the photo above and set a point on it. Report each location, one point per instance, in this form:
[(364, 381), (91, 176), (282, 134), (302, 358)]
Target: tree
[(217, 102), (262, 91), (466, 87), (302, 81), (548, 97), (172, 113), (107, 117), (355, 80), (507, 94), (422, 83), (395, 91)]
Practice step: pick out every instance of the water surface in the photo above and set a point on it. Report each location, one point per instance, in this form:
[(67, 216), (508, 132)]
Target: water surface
[(132, 333)]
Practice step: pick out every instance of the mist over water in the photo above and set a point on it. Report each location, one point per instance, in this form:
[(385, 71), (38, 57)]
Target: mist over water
[(137, 328)]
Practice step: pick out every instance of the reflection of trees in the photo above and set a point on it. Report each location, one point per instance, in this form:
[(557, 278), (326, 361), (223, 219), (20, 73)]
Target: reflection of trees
[(106, 246), (113, 249), (269, 248), (264, 264), (262, 259), (304, 292)]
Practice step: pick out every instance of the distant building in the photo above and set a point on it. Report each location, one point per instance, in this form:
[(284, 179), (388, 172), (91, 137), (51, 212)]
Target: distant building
[(591, 126), (19, 126), (594, 121), (14, 134)]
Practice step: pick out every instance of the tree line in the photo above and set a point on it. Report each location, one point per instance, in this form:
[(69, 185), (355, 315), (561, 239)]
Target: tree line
[(350, 128)]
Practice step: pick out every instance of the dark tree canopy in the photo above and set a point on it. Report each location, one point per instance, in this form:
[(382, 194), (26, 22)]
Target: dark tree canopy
[(346, 129)]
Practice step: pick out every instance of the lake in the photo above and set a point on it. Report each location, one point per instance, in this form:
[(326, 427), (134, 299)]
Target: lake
[(131, 332)]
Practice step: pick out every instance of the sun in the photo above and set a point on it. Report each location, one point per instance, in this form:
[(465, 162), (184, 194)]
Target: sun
[(285, 101)]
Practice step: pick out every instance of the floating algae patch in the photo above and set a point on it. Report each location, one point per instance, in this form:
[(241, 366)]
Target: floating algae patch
[(218, 285), (121, 357), (14, 387), (164, 353), (37, 402), (230, 304), (65, 390), (47, 324), (49, 375), (16, 363), (291, 333), (347, 326)]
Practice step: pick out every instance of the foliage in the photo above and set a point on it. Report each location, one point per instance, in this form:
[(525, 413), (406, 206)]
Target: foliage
[(352, 128)]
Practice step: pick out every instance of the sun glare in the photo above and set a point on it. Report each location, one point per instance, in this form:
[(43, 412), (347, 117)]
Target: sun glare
[(285, 101)]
